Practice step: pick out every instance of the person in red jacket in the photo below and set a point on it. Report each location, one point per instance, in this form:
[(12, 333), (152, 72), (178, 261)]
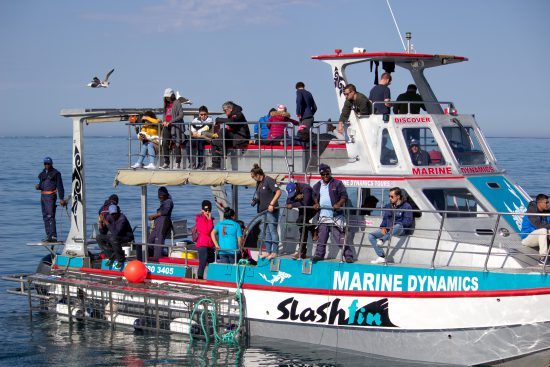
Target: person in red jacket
[(204, 224), (277, 130)]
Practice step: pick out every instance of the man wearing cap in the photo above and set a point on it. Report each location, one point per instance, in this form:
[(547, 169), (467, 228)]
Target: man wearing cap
[(300, 196), (120, 233), (329, 196), (162, 223), (419, 157), (50, 185), (102, 237), (409, 96)]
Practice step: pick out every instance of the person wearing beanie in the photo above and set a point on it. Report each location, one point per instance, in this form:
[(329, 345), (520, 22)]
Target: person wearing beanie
[(50, 185), (102, 213), (120, 233), (277, 124), (204, 224), (162, 224), (329, 196)]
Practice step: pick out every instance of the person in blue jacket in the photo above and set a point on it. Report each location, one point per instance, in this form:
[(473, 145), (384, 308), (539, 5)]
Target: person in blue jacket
[(50, 185), (264, 129), (394, 223), (535, 228)]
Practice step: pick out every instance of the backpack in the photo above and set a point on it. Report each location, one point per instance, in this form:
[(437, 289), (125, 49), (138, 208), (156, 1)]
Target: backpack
[(194, 234)]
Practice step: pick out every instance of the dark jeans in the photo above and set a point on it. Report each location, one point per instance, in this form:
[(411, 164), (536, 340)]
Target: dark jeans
[(226, 258), (172, 139), (47, 202), (338, 236), (305, 227), (195, 152), (112, 246), (207, 255)]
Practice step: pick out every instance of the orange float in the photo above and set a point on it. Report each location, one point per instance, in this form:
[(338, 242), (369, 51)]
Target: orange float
[(135, 271)]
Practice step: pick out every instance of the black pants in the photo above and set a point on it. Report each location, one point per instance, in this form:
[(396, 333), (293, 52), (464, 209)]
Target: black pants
[(112, 246), (305, 227), (207, 255), (47, 203)]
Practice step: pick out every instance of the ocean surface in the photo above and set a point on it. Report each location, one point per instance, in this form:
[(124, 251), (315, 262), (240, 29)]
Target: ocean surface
[(48, 341)]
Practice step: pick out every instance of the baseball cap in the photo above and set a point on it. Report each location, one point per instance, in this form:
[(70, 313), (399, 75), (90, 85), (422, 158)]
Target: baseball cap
[(413, 142), (323, 168), (168, 92), (291, 189), (48, 160)]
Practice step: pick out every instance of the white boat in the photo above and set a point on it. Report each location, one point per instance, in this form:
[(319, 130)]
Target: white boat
[(461, 289)]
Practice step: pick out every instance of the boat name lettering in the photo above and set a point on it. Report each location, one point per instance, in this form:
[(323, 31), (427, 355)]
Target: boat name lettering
[(399, 282), (366, 183), (157, 269), (372, 314), (422, 171), (412, 120), (477, 169)]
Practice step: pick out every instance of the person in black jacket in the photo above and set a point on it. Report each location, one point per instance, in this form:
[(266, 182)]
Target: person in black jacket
[(410, 96), (300, 196), (234, 135), (121, 233), (50, 185)]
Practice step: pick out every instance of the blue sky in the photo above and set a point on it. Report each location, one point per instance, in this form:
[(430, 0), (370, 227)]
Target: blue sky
[(253, 52)]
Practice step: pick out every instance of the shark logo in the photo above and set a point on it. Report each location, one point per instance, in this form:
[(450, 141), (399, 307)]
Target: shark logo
[(277, 278)]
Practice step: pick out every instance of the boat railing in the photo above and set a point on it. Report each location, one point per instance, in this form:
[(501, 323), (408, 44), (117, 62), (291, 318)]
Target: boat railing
[(353, 226), (447, 107), (223, 146)]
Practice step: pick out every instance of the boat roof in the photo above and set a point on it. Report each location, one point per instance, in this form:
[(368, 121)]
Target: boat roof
[(397, 57)]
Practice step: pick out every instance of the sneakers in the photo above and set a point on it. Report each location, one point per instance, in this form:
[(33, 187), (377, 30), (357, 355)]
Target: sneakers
[(178, 165), (109, 263), (272, 256), (380, 243), (316, 258), (379, 260), (165, 166), (295, 256), (118, 265), (137, 165), (542, 262), (350, 260)]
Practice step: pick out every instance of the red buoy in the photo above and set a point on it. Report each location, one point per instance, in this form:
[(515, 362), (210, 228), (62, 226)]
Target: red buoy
[(135, 271)]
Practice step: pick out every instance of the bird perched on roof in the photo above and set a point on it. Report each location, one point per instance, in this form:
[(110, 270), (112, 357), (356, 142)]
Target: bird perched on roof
[(96, 83)]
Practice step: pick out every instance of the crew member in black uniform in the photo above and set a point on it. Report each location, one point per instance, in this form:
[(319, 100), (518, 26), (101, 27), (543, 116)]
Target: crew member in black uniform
[(50, 185)]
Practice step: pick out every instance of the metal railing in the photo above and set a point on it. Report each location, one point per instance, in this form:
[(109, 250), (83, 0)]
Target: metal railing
[(445, 216)]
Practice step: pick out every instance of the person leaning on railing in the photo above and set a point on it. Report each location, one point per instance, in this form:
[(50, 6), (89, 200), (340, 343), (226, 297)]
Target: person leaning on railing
[(355, 101), (329, 196), (395, 222), (227, 235), (534, 228), (235, 135), (300, 196)]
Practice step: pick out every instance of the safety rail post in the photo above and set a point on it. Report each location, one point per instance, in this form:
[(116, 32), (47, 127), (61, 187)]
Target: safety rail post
[(492, 242), (346, 233), (391, 234), (443, 216), (222, 158), (129, 145), (545, 261), (190, 150), (259, 143)]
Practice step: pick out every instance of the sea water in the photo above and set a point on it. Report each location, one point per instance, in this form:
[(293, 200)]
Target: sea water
[(50, 341)]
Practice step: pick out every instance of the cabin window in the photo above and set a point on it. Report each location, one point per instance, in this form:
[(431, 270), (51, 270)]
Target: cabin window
[(370, 199), (465, 146), (428, 153), (455, 199), (387, 152)]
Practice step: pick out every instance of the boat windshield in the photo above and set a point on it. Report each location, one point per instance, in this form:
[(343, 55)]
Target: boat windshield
[(465, 145)]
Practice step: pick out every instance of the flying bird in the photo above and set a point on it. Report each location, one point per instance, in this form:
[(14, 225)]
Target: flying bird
[(96, 83)]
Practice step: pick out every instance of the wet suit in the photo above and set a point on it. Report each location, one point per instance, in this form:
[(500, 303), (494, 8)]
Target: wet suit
[(121, 233), (50, 185)]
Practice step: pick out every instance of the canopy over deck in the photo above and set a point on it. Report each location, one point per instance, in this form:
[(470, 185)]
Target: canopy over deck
[(397, 57), (203, 178)]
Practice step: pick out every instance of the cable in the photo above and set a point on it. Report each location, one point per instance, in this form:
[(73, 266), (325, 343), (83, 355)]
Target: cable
[(396, 26)]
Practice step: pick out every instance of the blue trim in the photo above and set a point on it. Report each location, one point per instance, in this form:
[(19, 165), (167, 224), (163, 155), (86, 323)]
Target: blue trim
[(357, 277)]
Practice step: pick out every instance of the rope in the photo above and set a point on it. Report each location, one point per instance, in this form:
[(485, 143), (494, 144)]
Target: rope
[(229, 337)]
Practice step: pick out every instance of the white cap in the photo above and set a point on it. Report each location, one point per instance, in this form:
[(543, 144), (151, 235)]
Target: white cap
[(168, 92), (281, 107)]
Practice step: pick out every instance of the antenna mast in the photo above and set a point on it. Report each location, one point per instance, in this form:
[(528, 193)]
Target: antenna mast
[(396, 26)]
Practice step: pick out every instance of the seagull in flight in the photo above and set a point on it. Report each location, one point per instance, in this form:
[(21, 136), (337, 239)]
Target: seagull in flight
[(96, 83)]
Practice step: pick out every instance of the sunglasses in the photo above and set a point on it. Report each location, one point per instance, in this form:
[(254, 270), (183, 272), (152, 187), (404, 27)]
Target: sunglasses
[(206, 209), (325, 174)]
